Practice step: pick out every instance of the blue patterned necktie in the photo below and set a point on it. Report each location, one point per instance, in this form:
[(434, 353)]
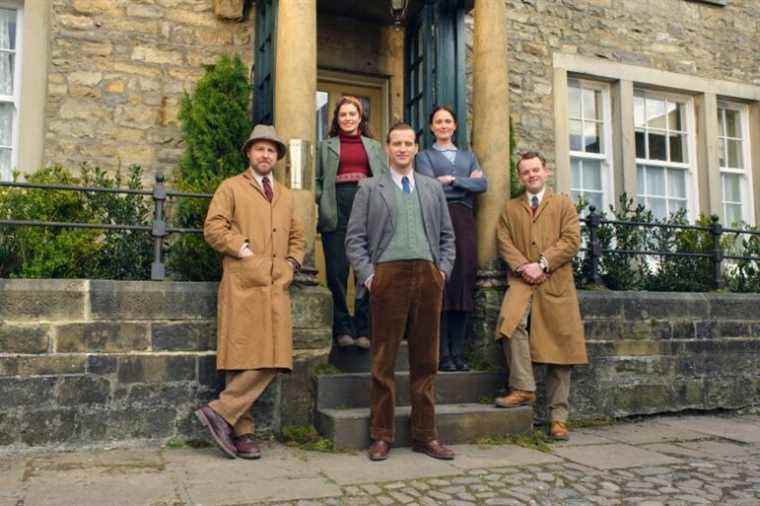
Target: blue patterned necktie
[(405, 185)]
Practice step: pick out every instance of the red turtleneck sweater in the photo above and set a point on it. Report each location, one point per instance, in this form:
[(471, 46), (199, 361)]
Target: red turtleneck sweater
[(354, 163)]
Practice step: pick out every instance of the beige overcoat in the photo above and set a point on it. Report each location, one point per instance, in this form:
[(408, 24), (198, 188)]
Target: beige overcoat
[(254, 320), (556, 329)]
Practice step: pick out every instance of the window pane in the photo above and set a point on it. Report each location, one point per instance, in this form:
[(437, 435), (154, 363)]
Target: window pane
[(575, 171), (5, 164), (592, 133), (592, 104), (574, 100), (576, 196), (592, 175), (6, 124), (595, 199), (721, 130), (7, 61), (676, 205), (732, 187), (655, 181), (322, 114), (655, 113), (659, 207), (675, 116), (734, 214), (722, 152), (735, 154), (638, 111), (677, 183), (641, 147), (7, 29), (733, 126), (640, 180), (678, 148), (657, 147), (576, 135)]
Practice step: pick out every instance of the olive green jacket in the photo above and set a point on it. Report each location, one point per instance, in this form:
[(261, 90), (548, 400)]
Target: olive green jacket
[(328, 159)]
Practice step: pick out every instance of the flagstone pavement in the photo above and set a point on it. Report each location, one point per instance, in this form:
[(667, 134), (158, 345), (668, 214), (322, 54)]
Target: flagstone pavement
[(674, 460)]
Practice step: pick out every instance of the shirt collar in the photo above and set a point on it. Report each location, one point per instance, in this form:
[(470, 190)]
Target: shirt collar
[(396, 176), (259, 179), (438, 147), (540, 196)]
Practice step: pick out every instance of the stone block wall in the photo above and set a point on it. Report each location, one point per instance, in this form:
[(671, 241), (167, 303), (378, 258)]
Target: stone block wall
[(688, 37), (652, 352), (84, 361), (117, 72)]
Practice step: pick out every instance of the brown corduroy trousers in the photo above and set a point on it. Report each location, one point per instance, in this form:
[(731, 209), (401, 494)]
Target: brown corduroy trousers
[(406, 298), (241, 390)]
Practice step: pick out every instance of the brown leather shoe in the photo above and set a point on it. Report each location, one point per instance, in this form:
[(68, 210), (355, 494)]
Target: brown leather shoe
[(220, 430), (433, 449), (379, 450), (515, 398), (559, 431), (246, 447)]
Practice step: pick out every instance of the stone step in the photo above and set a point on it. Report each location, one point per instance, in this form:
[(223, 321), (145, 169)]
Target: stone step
[(353, 359), (335, 391), (457, 424)]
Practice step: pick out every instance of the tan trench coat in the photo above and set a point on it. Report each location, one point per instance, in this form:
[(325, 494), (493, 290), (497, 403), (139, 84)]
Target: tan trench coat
[(254, 321), (556, 329)]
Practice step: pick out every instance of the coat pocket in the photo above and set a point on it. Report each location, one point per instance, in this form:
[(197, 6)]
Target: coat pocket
[(560, 282), (250, 272)]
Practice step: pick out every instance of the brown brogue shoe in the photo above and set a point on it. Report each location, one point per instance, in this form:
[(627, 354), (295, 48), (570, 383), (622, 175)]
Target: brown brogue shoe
[(220, 430), (379, 450), (515, 398), (433, 449), (246, 447), (558, 431)]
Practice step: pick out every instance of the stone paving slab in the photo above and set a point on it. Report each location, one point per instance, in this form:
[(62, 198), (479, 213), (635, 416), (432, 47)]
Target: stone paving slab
[(583, 437), (251, 490), (613, 456), (646, 432), (743, 430), (474, 456)]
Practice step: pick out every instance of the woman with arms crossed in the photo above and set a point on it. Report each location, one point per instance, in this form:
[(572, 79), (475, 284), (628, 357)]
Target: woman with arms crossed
[(461, 177), (346, 157)]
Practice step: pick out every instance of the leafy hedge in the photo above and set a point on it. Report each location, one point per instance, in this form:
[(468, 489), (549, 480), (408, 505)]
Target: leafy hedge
[(665, 273), (42, 252)]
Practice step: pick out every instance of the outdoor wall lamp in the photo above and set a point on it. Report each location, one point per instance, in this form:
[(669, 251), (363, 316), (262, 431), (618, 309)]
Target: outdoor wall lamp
[(398, 11)]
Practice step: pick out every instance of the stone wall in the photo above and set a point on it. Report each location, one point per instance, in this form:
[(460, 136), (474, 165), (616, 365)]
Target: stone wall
[(692, 38), (117, 72), (84, 361), (652, 352)]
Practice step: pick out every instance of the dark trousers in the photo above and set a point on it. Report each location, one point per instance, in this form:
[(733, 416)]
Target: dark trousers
[(336, 271), (406, 298), (453, 333)]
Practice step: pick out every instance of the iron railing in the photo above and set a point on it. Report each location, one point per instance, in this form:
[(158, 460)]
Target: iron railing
[(158, 229), (594, 221)]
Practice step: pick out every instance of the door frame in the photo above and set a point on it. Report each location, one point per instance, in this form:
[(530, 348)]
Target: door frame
[(377, 81)]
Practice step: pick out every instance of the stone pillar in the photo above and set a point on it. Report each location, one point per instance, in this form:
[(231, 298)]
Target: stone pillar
[(294, 103), (490, 121)]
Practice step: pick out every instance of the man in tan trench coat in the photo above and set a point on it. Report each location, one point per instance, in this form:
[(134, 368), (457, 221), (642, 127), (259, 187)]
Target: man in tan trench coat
[(251, 221), (538, 235)]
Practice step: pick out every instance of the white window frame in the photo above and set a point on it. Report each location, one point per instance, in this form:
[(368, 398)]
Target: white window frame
[(607, 156), (692, 183), (15, 99), (748, 192)]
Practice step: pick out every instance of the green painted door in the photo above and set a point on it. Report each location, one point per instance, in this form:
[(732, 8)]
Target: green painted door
[(263, 76)]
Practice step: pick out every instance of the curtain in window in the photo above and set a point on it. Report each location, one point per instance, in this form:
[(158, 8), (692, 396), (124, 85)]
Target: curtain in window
[(7, 50)]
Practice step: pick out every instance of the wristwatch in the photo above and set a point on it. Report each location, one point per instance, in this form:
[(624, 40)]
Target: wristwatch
[(543, 263)]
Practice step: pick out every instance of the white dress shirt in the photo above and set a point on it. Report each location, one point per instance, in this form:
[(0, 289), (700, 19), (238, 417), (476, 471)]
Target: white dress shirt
[(397, 176)]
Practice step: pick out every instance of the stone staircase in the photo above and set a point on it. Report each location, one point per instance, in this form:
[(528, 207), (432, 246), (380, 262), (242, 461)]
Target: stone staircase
[(464, 408)]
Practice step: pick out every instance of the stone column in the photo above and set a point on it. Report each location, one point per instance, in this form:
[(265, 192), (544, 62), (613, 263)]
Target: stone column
[(490, 120), (294, 102)]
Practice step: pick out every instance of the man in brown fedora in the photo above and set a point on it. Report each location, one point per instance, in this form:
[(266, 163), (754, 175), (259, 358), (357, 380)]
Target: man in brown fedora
[(251, 222)]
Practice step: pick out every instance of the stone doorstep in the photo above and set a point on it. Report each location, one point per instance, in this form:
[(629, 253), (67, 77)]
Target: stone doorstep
[(337, 391), (457, 424), (354, 360)]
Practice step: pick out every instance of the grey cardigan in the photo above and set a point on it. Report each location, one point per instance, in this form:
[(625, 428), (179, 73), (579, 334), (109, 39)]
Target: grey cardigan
[(433, 163), (371, 225), (328, 160)]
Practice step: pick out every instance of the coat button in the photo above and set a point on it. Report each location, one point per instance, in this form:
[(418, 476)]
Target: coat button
[(274, 230), (274, 256)]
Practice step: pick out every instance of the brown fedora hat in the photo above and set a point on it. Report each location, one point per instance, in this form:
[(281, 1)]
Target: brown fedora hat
[(265, 133)]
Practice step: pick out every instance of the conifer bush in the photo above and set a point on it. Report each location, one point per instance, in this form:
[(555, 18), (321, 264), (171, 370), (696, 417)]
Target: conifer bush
[(215, 123)]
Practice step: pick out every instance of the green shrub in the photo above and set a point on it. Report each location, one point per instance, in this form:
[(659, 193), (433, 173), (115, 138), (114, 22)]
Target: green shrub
[(743, 275), (46, 252), (215, 124)]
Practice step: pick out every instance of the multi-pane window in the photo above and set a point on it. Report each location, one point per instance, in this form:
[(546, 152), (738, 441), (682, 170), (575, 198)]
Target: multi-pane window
[(9, 92), (735, 174), (663, 134), (590, 151)]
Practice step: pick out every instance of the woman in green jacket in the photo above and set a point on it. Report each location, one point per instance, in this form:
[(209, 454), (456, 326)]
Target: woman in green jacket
[(347, 156)]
